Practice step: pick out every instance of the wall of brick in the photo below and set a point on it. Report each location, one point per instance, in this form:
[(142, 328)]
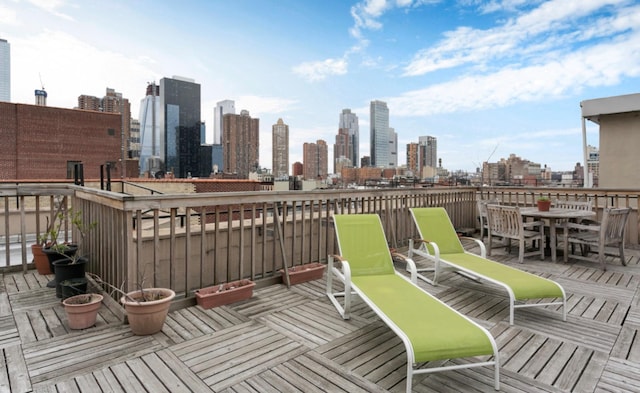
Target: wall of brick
[(38, 141)]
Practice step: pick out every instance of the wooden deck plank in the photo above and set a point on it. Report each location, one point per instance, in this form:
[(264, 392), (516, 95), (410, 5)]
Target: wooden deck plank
[(573, 369), (126, 378), (87, 383), (107, 381), (186, 376), (619, 376), (18, 374), (147, 377), (296, 335)]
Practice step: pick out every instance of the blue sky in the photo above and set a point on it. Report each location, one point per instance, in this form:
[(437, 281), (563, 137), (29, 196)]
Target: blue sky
[(487, 78)]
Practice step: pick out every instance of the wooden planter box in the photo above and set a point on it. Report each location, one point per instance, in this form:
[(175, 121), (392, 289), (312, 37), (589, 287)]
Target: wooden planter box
[(219, 295), (303, 273)]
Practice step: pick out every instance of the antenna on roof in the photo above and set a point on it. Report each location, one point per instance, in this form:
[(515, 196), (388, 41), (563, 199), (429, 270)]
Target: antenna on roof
[(41, 84)]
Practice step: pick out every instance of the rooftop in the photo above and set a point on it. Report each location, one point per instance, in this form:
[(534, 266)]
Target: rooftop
[(294, 340)]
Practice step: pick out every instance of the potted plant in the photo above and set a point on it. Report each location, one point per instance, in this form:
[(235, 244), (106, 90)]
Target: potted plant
[(67, 262), (219, 295), (544, 203), (40, 259), (146, 308), (303, 273), (82, 310)]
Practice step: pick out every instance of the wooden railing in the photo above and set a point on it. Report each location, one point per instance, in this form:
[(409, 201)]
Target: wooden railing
[(188, 241)]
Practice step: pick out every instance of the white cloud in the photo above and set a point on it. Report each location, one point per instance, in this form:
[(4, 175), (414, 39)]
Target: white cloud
[(319, 70), (52, 7), (600, 65), (70, 67), (8, 17), (555, 24), (366, 13)]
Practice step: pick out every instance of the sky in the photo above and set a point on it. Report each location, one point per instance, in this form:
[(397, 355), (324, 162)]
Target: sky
[(486, 78)]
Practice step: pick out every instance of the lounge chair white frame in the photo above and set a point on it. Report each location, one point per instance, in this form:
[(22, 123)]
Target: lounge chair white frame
[(343, 274), (419, 247)]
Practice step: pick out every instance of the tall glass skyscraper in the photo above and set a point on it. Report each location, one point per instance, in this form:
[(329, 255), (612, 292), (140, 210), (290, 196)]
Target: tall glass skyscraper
[(150, 141), (349, 121), (5, 71), (379, 134), (180, 122)]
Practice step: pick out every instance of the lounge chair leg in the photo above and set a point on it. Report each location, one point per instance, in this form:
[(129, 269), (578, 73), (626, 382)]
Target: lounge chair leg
[(622, 258)]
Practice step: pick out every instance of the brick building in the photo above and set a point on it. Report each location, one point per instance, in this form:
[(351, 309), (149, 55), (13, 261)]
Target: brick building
[(41, 142)]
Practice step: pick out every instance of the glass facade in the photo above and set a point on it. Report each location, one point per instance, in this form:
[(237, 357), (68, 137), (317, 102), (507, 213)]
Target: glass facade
[(349, 120), (181, 123), (379, 134), (5, 71), (150, 149)]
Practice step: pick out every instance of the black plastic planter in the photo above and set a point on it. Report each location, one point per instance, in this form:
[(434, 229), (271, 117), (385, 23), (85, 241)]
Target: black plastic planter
[(67, 269), (73, 286), (56, 255)]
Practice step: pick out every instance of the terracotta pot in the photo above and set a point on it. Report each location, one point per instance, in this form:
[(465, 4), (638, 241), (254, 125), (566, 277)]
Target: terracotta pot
[(219, 295), (40, 259), (544, 206), (147, 317), (82, 315), (303, 273)]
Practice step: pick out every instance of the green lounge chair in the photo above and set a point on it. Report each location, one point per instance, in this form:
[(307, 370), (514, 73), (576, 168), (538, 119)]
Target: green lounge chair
[(429, 329), (440, 243)]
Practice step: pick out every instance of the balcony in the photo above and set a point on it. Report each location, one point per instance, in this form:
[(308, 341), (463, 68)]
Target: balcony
[(293, 339)]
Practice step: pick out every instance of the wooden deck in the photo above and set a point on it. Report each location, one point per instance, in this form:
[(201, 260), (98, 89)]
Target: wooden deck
[(294, 340)]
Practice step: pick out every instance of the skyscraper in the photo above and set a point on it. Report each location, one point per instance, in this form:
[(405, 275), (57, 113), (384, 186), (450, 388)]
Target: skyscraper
[(379, 134), (280, 149), (429, 151), (222, 108), (393, 148), (315, 160), (349, 121), (180, 122), (412, 158), (341, 150), (150, 160), (5, 71), (241, 144)]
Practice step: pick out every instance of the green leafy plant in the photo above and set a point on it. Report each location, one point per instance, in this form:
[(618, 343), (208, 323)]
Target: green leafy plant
[(543, 199), (74, 217)]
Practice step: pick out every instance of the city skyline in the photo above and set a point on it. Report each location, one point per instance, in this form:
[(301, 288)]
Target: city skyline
[(487, 78)]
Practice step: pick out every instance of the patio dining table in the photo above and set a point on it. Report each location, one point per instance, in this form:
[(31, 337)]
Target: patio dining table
[(553, 215)]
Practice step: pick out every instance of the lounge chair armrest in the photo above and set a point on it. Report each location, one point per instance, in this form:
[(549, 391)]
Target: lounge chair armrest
[(411, 265), (479, 243), (339, 258)]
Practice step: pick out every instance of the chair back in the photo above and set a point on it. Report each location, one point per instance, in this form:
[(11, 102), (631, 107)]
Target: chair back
[(362, 242), (482, 208), (434, 225), (505, 221), (575, 205), (614, 222)]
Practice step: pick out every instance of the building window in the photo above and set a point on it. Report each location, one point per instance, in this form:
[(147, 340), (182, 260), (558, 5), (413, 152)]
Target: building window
[(70, 168), (111, 132)]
